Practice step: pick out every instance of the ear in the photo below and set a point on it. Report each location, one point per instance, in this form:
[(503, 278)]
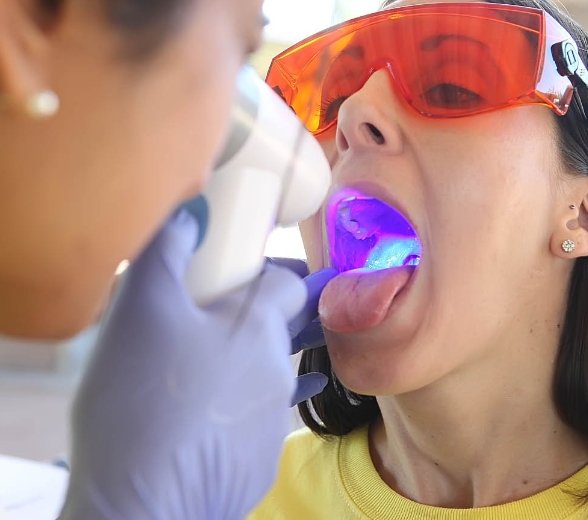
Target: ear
[(570, 238), (24, 50)]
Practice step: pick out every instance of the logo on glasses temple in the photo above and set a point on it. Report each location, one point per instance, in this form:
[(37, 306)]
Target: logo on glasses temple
[(567, 59)]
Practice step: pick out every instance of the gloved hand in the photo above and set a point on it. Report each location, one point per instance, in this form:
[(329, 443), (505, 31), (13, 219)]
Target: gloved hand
[(306, 330), (182, 411)]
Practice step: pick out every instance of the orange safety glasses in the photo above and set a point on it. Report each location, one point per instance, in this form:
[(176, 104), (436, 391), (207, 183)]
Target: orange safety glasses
[(446, 60)]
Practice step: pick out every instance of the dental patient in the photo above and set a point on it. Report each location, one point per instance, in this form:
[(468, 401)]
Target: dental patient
[(458, 221)]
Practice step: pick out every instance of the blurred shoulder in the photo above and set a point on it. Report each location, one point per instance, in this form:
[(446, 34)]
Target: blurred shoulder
[(305, 439), (305, 450)]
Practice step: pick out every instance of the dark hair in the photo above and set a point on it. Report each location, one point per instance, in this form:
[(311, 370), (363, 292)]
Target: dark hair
[(338, 411), (143, 24)]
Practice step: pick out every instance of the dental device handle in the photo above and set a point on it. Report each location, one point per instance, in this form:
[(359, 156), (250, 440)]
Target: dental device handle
[(271, 172)]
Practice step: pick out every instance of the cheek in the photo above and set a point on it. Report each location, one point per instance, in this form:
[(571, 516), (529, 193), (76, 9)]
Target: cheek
[(488, 229), (481, 191), (488, 225)]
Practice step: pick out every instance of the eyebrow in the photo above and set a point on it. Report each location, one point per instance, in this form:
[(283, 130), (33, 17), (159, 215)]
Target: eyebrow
[(434, 42), (353, 51)]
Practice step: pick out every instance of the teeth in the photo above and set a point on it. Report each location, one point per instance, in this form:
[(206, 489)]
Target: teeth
[(412, 260), (350, 224), (353, 227), (361, 233), (394, 251), (344, 212)]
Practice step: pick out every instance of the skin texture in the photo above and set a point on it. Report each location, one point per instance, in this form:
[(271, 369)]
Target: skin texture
[(462, 364), (89, 187)]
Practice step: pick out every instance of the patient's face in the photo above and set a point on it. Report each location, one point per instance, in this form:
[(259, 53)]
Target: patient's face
[(481, 194)]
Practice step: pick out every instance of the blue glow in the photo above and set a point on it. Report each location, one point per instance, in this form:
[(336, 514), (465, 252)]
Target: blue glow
[(394, 251)]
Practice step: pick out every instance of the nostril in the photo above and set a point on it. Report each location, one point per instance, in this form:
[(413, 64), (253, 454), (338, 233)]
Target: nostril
[(342, 143), (377, 136)]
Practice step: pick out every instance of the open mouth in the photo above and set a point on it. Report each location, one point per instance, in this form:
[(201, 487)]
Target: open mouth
[(366, 233), (376, 251)]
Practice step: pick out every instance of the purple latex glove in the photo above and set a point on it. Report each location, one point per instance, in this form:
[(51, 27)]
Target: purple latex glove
[(183, 410), (305, 329)]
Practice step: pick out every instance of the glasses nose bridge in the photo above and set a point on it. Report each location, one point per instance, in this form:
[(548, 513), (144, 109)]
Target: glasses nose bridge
[(387, 67)]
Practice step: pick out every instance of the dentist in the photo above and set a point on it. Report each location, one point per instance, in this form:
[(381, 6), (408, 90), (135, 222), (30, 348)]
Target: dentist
[(112, 113)]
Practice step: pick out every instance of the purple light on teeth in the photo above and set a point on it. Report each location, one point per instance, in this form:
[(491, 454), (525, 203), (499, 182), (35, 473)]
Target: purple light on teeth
[(365, 232)]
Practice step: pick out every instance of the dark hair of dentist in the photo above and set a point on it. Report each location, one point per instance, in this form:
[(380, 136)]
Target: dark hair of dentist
[(112, 114)]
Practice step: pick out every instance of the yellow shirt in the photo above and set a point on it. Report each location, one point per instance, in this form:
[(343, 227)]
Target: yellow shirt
[(336, 480)]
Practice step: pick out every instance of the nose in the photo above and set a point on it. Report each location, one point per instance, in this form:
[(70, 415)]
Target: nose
[(367, 120)]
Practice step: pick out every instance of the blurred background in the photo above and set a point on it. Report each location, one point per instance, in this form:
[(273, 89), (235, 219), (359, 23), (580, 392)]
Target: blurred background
[(37, 380)]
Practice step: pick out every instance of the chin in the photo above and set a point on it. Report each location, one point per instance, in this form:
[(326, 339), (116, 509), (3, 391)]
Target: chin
[(369, 369)]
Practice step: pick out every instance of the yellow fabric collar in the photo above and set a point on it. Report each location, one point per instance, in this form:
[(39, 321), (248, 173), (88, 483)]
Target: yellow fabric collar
[(376, 500)]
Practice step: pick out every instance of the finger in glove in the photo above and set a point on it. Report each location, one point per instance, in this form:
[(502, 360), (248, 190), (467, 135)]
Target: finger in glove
[(294, 264), (311, 337), (308, 385), (315, 283)]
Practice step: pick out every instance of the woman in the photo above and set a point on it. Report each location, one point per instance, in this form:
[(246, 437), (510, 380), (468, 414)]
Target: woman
[(458, 371), (112, 114)]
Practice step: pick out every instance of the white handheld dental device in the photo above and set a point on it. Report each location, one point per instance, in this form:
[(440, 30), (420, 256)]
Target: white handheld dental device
[(271, 172)]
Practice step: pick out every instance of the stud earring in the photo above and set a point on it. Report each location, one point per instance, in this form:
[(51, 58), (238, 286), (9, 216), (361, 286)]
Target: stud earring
[(572, 206), (42, 104), (568, 246)]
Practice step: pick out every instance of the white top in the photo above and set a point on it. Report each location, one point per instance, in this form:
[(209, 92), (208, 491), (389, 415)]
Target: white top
[(30, 490)]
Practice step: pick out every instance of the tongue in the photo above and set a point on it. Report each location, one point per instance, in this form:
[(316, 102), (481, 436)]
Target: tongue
[(360, 299)]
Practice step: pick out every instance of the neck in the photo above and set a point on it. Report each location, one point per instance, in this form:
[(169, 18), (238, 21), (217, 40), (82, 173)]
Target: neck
[(476, 439)]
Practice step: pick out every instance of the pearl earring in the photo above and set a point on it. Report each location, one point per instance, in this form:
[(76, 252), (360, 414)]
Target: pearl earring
[(568, 246), (42, 104)]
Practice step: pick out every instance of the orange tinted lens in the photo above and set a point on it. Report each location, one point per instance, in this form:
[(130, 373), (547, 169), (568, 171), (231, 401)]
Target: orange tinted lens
[(445, 60), (311, 75), (456, 64)]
